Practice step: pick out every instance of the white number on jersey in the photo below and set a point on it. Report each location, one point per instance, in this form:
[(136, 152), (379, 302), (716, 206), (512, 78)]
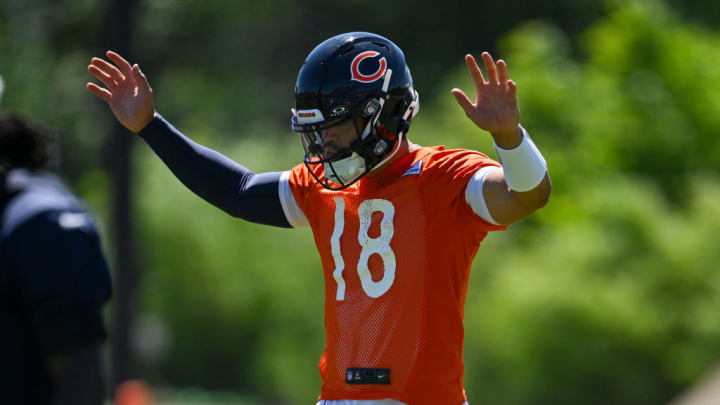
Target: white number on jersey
[(370, 246)]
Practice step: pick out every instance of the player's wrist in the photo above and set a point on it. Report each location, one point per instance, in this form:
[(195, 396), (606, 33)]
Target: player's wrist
[(508, 139), (524, 167), (141, 124)]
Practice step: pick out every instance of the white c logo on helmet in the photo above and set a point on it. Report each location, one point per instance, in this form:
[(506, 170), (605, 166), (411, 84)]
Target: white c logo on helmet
[(355, 71)]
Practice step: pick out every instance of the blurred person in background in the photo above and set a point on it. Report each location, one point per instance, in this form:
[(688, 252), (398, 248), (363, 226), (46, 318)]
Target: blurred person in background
[(397, 225), (54, 279)]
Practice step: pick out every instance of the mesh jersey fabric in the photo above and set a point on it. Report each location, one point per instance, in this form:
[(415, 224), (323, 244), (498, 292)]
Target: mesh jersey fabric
[(396, 250)]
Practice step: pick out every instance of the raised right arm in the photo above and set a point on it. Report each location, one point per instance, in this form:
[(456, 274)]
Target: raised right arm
[(209, 174)]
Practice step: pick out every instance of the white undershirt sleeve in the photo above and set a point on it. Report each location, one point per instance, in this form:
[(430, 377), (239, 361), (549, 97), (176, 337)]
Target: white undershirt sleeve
[(293, 213), (474, 194)]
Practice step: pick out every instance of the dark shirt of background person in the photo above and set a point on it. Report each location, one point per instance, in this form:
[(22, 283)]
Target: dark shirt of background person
[(54, 279)]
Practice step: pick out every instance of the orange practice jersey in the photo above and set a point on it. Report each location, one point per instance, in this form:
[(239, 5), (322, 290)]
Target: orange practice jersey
[(396, 251)]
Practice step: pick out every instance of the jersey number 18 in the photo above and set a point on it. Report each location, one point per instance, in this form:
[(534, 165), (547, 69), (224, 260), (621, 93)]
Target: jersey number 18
[(370, 246)]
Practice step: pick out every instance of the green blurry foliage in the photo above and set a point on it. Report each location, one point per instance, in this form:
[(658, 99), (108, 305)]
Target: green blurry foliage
[(607, 295), (44, 48), (645, 102), (243, 302), (614, 307)]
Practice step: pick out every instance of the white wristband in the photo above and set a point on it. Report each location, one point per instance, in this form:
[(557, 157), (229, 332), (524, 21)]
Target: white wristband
[(523, 165)]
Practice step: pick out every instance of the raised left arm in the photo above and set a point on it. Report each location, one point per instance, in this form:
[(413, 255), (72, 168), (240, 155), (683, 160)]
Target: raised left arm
[(523, 184)]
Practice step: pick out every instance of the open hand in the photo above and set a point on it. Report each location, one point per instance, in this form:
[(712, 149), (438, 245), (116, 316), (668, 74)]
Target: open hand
[(126, 90), (495, 108)]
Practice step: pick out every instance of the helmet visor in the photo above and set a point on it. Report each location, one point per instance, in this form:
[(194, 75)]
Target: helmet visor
[(317, 152), (310, 126)]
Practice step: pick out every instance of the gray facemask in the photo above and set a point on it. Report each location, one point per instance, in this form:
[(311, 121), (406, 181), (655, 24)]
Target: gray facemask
[(345, 170)]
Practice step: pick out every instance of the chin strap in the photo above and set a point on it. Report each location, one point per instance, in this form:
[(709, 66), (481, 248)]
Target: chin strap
[(371, 124), (413, 108), (386, 85), (410, 112)]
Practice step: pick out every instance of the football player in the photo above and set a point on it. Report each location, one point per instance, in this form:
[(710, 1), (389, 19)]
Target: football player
[(397, 225), (54, 280)]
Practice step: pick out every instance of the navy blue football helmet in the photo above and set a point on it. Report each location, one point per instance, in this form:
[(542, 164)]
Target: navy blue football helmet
[(348, 77)]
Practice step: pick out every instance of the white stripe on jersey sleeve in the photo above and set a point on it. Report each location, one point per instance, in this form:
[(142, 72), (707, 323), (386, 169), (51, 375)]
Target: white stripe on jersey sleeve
[(474, 193), (293, 213)]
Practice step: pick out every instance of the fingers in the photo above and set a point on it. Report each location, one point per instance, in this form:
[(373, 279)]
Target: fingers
[(103, 94), (497, 73), (490, 67), (103, 77), (475, 72), (502, 69), (463, 100), (141, 79), (108, 69), (513, 88), (120, 62)]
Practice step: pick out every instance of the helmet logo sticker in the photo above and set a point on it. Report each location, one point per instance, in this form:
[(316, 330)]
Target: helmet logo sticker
[(355, 71), (340, 110), (303, 117)]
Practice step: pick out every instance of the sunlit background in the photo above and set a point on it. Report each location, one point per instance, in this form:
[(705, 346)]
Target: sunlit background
[(609, 295)]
